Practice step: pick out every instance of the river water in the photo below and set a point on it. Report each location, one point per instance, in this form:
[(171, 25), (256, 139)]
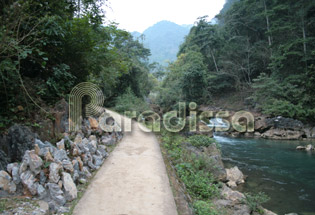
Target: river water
[(286, 175)]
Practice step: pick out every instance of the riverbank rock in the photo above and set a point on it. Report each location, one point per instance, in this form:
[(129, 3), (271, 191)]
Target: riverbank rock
[(308, 148), (261, 124), (268, 212), (284, 123), (232, 202), (234, 177), (213, 158), (282, 134)]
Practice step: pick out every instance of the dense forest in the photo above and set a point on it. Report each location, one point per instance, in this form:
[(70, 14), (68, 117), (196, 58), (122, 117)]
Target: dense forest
[(47, 47), (265, 47)]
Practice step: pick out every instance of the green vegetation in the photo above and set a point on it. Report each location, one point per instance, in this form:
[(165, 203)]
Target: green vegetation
[(7, 204), (263, 47), (130, 102), (194, 172), (204, 208), (200, 140), (254, 201), (47, 47)]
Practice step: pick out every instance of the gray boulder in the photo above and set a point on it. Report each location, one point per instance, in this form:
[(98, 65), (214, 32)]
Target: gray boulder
[(69, 187), (4, 159), (54, 169), (232, 195), (108, 140), (6, 182), (41, 191), (42, 177), (15, 175), (10, 167), (98, 160), (234, 177), (56, 193), (29, 181), (67, 165), (92, 145), (34, 161), (60, 155), (309, 147), (20, 139), (284, 123), (102, 150), (61, 144)]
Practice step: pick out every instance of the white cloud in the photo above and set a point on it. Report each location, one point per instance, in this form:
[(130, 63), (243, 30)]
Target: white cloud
[(137, 15)]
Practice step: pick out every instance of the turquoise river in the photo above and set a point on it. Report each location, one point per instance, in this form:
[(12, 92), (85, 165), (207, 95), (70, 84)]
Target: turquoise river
[(274, 167)]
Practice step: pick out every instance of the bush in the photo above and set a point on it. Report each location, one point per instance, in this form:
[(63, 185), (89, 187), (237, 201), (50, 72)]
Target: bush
[(199, 183), (254, 201), (200, 140), (204, 208), (129, 102)]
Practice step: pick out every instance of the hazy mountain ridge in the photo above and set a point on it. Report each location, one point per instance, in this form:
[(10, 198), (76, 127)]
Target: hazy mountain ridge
[(164, 39)]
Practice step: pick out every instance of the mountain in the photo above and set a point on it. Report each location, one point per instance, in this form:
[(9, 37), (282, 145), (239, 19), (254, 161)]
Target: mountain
[(164, 39)]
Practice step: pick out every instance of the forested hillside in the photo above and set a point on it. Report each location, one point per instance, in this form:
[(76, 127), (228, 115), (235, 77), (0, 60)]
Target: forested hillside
[(164, 39), (47, 47), (265, 47)]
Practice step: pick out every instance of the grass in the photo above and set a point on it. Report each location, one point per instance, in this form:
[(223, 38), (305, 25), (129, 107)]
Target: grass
[(192, 170), (14, 202)]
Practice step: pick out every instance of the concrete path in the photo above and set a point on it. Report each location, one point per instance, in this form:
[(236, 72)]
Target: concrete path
[(132, 181)]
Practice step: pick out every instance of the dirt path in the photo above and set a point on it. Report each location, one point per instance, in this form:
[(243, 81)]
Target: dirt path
[(132, 181)]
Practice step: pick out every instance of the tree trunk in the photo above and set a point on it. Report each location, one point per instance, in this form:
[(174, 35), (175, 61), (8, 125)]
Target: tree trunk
[(215, 63), (304, 36), (268, 25)]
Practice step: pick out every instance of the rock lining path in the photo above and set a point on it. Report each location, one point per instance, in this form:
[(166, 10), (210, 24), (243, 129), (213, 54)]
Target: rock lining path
[(132, 181)]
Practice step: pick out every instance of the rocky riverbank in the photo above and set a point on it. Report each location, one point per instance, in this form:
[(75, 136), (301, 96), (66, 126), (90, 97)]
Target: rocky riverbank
[(230, 201), (199, 157), (276, 128), (50, 172)]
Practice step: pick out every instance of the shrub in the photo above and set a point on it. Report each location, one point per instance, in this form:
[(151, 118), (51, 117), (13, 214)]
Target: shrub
[(254, 201), (199, 183), (200, 140), (204, 208), (130, 102)]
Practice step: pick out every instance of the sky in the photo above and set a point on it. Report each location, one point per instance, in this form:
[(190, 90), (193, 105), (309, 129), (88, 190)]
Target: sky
[(138, 15)]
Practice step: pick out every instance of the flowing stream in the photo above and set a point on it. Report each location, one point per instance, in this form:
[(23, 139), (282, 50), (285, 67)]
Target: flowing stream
[(286, 175)]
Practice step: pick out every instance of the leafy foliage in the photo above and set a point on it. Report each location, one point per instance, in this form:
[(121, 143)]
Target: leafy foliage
[(130, 102), (47, 47), (195, 172), (254, 202), (204, 208), (265, 47), (200, 140)]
